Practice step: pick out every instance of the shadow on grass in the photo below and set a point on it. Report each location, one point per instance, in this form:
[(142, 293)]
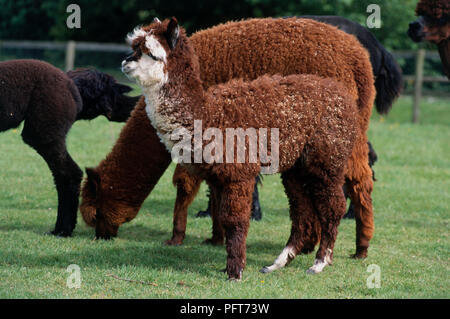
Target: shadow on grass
[(139, 246), (154, 257)]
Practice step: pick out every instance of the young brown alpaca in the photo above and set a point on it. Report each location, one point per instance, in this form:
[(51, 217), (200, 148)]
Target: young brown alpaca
[(315, 117), (248, 49), (433, 26)]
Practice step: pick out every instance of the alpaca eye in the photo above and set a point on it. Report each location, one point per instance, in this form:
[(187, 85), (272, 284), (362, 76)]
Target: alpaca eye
[(152, 56)]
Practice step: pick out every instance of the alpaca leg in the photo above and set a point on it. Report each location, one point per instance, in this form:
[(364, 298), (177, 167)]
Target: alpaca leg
[(207, 212), (256, 207), (350, 214), (305, 228), (329, 203), (218, 234), (67, 177), (373, 157), (235, 219), (362, 205), (359, 188), (187, 188)]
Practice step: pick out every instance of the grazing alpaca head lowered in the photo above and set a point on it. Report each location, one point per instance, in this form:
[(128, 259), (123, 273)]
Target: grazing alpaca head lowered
[(102, 95)]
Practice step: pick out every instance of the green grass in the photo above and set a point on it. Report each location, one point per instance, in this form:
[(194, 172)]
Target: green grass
[(411, 243)]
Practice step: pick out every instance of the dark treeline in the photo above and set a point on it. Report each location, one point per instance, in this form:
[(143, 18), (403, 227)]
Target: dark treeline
[(111, 20)]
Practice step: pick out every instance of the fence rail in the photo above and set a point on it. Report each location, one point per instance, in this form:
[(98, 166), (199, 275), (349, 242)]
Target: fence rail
[(71, 47)]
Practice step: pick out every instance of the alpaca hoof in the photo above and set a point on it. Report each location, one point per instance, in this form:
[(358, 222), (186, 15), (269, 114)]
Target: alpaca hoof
[(213, 242), (256, 213), (361, 253), (265, 270), (359, 256), (312, 271), (320, 264), (235, 277), (287, 255), (203, 213), (173, 242), (60, 233), (103, 237)]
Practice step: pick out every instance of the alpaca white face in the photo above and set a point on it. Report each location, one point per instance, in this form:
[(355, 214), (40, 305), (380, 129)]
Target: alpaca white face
[(147, 64)]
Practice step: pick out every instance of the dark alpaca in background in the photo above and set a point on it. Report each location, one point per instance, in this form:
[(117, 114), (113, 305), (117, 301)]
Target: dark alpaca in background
[(388, 84), (388, 74), (49, 101), (102, 95), (433, 25)]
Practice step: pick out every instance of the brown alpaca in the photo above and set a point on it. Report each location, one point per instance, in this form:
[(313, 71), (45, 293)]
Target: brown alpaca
[(123, 204), (433, 26), (316, 122), (251, 48)]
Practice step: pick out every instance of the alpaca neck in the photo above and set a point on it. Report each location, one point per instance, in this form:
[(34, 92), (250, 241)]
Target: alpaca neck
[(123, 107), (88, 111), (173, 106)]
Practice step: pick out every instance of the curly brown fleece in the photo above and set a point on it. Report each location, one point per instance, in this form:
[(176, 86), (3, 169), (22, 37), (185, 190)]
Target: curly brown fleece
[(317, 123), (254, 47), (104, 190)]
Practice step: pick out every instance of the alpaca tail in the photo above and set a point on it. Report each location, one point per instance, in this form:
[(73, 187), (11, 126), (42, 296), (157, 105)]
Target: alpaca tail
[(389, 83)]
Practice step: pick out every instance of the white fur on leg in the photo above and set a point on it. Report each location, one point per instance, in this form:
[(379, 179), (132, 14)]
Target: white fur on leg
[(282, 260), (319, 265)]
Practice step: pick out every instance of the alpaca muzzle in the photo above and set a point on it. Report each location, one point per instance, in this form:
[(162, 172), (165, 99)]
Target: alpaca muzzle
[(415, 30)]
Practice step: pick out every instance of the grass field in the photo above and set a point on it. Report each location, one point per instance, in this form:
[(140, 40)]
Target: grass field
[(411, 243)]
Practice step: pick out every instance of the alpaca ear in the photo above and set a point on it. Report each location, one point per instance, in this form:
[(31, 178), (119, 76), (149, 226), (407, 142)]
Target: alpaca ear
[(172, 33), (156, 20), (93, 180)]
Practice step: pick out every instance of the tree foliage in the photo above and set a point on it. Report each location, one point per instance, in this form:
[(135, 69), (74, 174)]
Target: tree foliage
[(110, 21)]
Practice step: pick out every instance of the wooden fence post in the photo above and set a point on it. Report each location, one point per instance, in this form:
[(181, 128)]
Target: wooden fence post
[(420, 58), (70, 55)]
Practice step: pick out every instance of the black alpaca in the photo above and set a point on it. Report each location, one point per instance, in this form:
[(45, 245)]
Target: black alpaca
[(49, 101), (388, 83)]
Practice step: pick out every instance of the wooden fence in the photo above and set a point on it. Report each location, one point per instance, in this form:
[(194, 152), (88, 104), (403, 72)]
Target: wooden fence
[(71, 47)]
